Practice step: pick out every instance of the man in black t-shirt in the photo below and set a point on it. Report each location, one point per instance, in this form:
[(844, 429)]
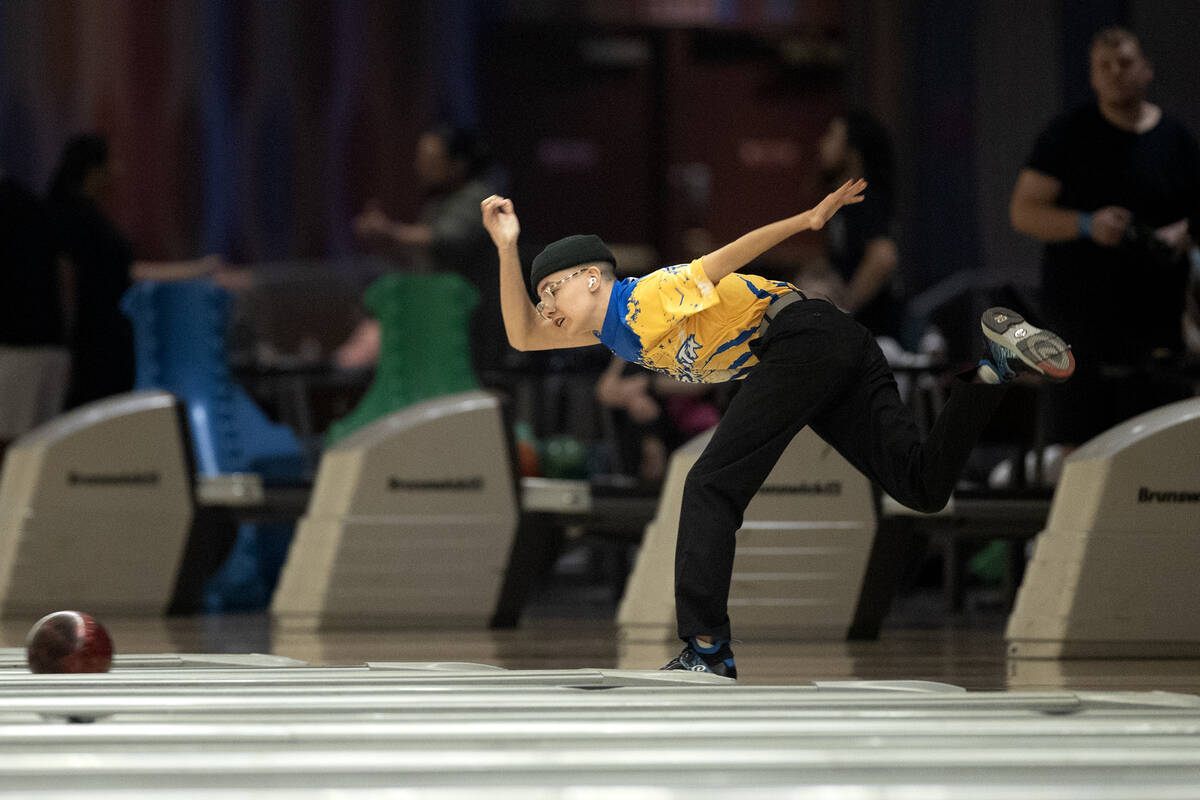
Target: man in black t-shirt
[(1108, 188)]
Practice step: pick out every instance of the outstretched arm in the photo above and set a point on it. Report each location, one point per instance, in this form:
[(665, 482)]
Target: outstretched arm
[(524, 328), (373, 224), (176, 270), (745, 249)]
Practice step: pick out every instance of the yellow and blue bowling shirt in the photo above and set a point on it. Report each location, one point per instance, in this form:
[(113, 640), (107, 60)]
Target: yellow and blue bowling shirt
[(676, 322)]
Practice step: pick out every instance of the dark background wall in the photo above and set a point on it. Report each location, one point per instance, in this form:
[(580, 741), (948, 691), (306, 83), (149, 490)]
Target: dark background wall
[(257, 128)]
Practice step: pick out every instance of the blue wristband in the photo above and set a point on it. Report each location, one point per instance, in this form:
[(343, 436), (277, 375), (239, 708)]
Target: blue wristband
[(1084, 225)]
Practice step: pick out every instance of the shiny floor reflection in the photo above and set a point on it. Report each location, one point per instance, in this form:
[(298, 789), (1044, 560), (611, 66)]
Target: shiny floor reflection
[(973, 658)]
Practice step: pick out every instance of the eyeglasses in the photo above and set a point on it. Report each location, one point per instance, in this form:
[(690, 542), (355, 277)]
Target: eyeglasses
[(546, 302)]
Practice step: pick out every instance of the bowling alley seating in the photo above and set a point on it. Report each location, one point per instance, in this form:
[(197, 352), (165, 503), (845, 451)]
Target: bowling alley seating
[(425, 350), (96, 508), (410, 522), (802, 549), (421, 471), (1114, 572), (181, 333)]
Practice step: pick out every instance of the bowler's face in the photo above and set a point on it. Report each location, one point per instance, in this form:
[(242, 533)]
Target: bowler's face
[(564, 298), (1120, 73)]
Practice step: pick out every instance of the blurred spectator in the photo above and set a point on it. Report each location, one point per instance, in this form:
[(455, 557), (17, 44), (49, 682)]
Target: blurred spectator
[(654, 414), (862, 257), (99, 266), (1109, 187), (448, 237), (31, 308), (34, 366)]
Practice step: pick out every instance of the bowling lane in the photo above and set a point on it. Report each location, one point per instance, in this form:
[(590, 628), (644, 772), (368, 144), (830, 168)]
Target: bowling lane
[(973, 658), (409, 730)]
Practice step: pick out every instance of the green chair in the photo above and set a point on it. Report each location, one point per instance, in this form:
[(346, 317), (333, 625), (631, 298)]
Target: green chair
[(425, 350)]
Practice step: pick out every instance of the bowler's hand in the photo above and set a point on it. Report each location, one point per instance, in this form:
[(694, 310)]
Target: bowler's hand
[(846, 194), (500, 220), (1109, 224)]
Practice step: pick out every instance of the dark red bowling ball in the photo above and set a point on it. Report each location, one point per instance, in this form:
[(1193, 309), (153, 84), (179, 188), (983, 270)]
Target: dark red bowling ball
[(68, 641)]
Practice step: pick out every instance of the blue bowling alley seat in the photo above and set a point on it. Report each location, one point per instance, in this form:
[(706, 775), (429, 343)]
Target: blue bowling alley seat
[(181, 335)]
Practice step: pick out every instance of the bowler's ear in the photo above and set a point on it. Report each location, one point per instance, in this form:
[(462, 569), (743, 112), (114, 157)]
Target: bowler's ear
[(594, 275)]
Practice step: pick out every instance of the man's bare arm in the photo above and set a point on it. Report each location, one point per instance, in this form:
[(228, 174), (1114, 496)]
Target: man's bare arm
[(1034, 211)]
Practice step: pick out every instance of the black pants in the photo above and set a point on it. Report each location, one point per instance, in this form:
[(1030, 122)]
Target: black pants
[(817, 367)]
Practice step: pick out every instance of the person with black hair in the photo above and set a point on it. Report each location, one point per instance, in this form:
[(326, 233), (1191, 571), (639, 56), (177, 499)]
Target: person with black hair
[(448, 237), (1108, 188), (99, 266), (860, 243)]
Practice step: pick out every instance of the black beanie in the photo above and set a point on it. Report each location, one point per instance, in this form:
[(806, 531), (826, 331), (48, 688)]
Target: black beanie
[(586, 248)]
